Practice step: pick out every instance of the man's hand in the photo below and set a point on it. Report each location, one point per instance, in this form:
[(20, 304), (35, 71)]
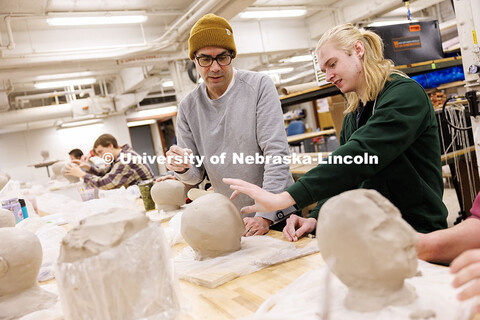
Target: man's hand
[(176, 159), (264, 201), (167, 177), (298, 226), (73, 170), (82, 164), (466, 268), (256, 226)]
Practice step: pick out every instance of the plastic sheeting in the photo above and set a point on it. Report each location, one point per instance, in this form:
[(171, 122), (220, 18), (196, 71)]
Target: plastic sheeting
[(257, 252), (318, 294), (133, 280), (50, 237), (173, 232)]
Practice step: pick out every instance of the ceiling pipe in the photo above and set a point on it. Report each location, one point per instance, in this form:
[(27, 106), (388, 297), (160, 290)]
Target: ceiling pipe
[(53, 94), (35, 114)]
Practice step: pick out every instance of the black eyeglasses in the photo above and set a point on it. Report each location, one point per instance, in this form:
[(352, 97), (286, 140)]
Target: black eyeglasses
[(207, 61)]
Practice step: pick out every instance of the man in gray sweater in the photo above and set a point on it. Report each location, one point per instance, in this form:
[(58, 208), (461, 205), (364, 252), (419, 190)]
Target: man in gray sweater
[(232, 115)]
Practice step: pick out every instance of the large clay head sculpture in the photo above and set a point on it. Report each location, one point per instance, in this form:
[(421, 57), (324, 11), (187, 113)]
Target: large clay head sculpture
[(212, 226), (20, 260), (113, 265), (7, 219), (168, 195), (369, 247)]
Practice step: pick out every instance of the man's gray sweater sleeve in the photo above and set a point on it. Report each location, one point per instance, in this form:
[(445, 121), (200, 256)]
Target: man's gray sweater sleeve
[(194, 175), (272, 140)]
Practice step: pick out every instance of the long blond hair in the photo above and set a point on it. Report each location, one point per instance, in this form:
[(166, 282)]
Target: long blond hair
[(376, 68)]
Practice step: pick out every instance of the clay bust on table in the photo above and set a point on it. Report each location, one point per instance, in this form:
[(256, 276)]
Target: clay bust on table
[(72, 179), (212, 226), (57, 169), (115, 266), (168, 195), (20, 261), (7, 219), (369, 247)]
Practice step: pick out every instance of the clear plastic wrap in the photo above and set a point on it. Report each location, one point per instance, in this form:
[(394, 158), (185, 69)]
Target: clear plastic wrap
[(172, 231), (133, 280), (318, 290), (256, 253)]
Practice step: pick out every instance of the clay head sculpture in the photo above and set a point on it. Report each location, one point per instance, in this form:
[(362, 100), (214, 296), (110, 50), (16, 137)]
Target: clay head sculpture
[(113, 265), (20, 261), (369, 247), (45, 155), (212, 226), (72, 179), (168, 195), (57, 168), (7, 219)]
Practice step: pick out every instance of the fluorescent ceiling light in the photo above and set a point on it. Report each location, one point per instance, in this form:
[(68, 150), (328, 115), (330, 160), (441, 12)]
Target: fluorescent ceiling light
[(140, 123), (79, 123), (151, 113), (167, 84), (281, 13), (389, 23), (64, 75), (94, 20), (278, 71), (307, 57), (65, 83)]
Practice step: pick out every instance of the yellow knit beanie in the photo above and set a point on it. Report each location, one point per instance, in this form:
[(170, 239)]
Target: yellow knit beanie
[(211, 31)]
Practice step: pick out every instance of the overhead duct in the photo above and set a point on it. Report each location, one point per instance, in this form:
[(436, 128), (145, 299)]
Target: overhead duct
[(35, 114)]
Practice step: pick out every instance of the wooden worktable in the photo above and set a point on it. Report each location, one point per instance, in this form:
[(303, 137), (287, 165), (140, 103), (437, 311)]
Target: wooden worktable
[(242, 296)]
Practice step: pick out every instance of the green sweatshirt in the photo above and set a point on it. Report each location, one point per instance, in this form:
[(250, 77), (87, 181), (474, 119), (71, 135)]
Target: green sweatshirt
[(401, 129)]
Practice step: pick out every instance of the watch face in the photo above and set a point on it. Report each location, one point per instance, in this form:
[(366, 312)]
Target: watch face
[(474, 69)]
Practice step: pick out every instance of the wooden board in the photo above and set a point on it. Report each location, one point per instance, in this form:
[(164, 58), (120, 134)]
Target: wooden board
[(241, 297)]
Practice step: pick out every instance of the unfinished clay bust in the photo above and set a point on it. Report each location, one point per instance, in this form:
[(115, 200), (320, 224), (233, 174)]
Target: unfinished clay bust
[(114, 266), (100, 232), (7, 219), (45, 155), (369, 247), (20, 261), (72, 179), (168, 195), (212, 226), (57, 168)]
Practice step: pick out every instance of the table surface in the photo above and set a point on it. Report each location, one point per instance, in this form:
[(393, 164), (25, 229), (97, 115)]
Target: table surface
[(242, 296), (303, 136)]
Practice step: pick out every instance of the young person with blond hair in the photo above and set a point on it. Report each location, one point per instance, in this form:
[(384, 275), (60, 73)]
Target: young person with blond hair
[(389, 116)]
